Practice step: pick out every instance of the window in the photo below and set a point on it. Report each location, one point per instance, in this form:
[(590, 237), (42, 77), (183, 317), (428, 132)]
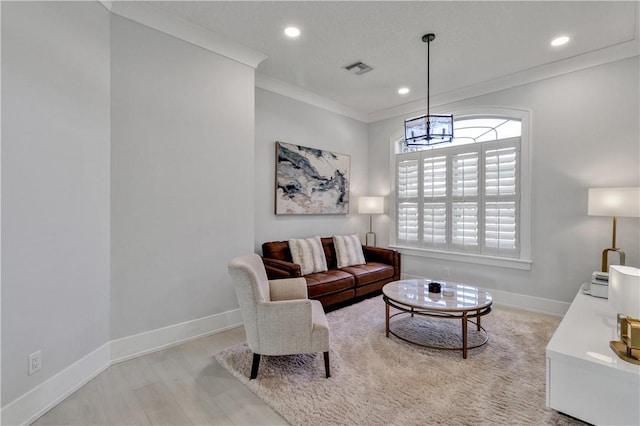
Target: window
[(464, 197)]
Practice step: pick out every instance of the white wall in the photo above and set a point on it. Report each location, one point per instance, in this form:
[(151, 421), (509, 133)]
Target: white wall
[(283, 119), (584, 133), (182, 177), (55, 187)]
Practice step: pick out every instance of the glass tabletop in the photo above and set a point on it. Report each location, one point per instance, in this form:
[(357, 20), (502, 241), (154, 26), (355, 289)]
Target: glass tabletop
[(415, 293)]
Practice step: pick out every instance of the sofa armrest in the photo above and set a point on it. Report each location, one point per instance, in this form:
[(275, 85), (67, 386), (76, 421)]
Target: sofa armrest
[(288, 289), (383, 255), (278, 269)]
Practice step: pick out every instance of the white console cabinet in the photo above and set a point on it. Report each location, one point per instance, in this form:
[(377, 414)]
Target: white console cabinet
[(585, 378)]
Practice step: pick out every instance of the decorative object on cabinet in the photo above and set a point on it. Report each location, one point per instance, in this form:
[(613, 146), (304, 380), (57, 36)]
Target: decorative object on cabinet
[(428, 129), (311, 181), (599, 285), (584, 378), (623, 202), (371, 206), (624, 297)]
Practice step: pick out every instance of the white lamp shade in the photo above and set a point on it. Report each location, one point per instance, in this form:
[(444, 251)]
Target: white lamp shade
[(624, 202), (371, 205), (624, 290)]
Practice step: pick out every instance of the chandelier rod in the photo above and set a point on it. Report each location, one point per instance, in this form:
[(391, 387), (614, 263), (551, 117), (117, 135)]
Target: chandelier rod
[(428, 38)]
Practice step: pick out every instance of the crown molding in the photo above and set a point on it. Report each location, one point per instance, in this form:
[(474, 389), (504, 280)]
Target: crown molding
[(184, 30), (108, 4), (289, 90), (614, 53)]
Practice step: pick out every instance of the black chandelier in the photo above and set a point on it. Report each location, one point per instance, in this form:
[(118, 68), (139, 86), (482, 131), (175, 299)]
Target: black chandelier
[(428, 129)]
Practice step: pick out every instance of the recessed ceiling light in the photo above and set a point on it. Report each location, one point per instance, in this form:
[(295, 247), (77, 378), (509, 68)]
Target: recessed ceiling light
[(292, 32), (559, 41), (403, 90)]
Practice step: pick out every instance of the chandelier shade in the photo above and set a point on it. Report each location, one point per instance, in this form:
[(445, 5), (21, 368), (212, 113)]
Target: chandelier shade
[(428, 129)]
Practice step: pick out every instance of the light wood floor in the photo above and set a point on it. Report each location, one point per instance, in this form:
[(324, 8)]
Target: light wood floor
[(182, 385)]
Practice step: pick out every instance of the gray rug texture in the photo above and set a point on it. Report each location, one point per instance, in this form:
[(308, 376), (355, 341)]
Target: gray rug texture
[(377, 380)]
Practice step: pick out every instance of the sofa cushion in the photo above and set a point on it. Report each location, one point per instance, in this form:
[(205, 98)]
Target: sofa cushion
[(369, 272), (348, 250), (309, 254), (331, 281)]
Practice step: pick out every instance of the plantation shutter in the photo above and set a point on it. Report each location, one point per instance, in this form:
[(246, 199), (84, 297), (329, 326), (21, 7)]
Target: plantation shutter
[(407, 200), (464, 206), (435, 201), (501, 200)]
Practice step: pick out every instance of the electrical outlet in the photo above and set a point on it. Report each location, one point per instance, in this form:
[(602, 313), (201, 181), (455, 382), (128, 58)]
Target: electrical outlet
[(447, 271), (35, 362)]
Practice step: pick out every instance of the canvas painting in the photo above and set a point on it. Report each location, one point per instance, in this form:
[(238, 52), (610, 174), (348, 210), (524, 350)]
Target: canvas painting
[(311, 181)]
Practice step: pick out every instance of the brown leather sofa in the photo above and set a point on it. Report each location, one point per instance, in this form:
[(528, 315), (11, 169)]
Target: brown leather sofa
[(335, 286)]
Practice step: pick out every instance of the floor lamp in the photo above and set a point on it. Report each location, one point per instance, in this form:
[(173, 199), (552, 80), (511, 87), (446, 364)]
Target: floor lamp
[(371, 206), (613, 202)]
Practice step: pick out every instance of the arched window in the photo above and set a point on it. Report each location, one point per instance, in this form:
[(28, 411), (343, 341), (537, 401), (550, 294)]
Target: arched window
[(466, 196), (475, 130)]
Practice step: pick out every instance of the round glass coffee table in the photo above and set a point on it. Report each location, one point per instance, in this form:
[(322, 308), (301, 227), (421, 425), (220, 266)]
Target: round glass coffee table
[(462, 302)]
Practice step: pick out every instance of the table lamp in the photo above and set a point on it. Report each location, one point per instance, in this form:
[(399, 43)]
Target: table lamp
[(623, 202), (371, 206), (624, 297)]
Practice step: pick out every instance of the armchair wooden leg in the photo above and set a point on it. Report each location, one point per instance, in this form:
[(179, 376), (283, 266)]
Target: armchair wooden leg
[(254, 366), (326, 364)]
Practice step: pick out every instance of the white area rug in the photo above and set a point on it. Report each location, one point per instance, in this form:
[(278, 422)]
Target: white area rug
[(379, 380)]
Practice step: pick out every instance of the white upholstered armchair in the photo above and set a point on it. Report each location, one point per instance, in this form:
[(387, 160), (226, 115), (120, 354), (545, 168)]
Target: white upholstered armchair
[(279, 319)]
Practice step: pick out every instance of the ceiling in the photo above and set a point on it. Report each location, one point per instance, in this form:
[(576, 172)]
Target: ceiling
[(476, 42)]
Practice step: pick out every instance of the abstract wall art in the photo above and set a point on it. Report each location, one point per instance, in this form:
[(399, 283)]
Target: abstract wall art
[(311, 181)]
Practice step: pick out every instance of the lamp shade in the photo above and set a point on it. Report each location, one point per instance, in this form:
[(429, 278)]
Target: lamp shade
[(371, 205), (624, 290), (624, 202)]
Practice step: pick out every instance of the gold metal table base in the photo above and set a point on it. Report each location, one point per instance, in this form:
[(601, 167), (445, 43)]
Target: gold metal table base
[(464, 316)]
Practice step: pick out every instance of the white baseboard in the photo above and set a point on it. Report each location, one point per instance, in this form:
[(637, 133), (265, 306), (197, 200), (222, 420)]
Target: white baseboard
[(529, 303), (33, 404), (521, 301), (161, 338)]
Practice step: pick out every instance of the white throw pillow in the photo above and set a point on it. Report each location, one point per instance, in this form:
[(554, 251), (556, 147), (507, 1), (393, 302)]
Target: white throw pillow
[(348, 250), (309, 254)]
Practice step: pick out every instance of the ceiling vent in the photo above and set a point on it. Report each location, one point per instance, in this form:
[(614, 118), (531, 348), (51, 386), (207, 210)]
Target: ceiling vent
[(358, 68)]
